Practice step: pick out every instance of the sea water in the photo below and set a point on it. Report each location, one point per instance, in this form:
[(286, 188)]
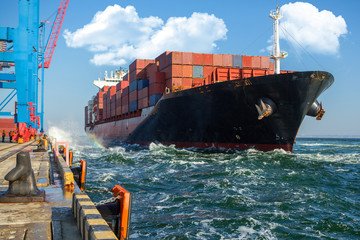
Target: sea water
[(312, 193)]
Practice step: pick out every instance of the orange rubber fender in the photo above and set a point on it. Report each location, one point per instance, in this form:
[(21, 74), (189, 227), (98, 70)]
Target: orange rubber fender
[(124, 198), (83, 174)]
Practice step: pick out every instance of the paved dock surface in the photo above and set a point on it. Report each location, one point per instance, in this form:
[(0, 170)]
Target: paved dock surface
[(36, 220)]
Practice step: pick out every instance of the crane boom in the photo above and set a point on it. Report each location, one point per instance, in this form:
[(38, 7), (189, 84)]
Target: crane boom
[(55, 31)]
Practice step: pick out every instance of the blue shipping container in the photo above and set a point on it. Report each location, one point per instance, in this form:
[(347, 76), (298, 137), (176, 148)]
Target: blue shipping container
[(198, 72), (142, 83), (153, 99), (133, 106), (133, 86), (237, 61)]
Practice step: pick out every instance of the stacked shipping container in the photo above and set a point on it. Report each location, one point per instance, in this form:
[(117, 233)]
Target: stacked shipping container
[(148, 80)]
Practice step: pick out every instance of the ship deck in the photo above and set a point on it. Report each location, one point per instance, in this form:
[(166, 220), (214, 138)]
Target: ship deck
[(52, 219)]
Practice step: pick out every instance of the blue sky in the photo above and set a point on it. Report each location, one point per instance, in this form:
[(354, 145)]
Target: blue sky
[(68, 81)]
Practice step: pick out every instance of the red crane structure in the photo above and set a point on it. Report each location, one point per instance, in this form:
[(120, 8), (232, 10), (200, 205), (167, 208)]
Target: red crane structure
[(55, 31)]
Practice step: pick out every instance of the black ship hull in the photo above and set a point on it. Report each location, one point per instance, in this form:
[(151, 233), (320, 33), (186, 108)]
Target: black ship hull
[(224, 115)]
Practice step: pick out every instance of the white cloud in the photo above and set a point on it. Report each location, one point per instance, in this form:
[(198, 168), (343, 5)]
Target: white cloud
[(118, 34), (317, 31)]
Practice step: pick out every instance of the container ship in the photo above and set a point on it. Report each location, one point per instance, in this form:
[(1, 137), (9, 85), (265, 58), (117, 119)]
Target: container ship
[(204, 100)]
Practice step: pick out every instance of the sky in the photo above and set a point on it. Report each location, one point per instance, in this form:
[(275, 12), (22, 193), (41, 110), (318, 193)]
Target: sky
[(98, 36)]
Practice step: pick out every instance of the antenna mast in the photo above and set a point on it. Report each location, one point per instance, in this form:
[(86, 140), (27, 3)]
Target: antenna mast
[(276, 55)]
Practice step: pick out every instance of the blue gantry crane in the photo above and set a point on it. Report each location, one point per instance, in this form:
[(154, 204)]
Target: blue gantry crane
[(26, 57)]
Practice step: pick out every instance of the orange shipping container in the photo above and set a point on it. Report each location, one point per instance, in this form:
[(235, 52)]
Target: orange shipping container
[(187, 82), (256, 62), (207, 59), (162, 60), (198, 59), (222, 74), (140, 64), (174, 58), (265, 62), (234, 73), (258, 72), (173, 71), (217, 60), (207, 71), (197, 82), (247, 73), (187, 71), (174, 84), (272, 66), (187, 58), (246, 62), (227, 60), (151, 69)]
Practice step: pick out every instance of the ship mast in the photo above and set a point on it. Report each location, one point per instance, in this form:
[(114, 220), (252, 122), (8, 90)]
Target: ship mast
[(276, 55)]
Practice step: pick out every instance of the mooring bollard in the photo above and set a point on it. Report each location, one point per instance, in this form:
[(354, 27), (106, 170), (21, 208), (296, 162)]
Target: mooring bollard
[(22, 183)]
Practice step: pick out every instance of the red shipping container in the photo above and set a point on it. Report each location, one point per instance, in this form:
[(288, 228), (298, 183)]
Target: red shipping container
[(217, 60), (198, 59), (227, 60), (124, 100), (125, 91), (234, 73), (187, 58), (126, 77), (222, 74), (121, 85), (133, 96), (151, 69), (140, 64), (258, 72), (159, 77), (172, 71), (269, 72), (174, 84), (174, 58), (208, 59), (198, 82), (256, 62), (132, 76), (138, 74), (124, 109), (118, 98), (162, 60), (187, 71), (86, 116), (207, 71), (111, 91), (246, 73), (118, 110), (265, 62), (156, 88), (272, 66), (187, 82), (208, 79), (104, 89), (143, 103), (143, 93), (246, 61)]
